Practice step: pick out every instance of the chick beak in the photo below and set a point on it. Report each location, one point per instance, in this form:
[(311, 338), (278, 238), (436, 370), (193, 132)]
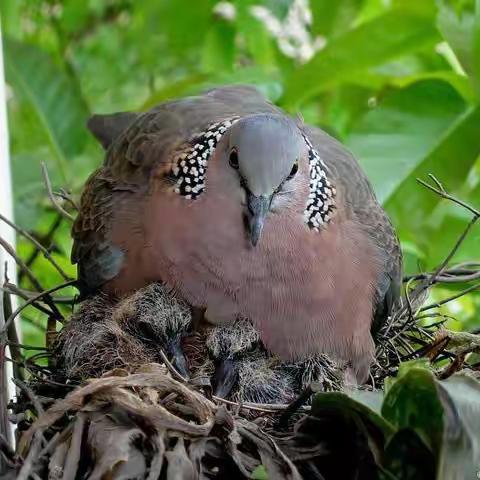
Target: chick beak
[(258, 207)]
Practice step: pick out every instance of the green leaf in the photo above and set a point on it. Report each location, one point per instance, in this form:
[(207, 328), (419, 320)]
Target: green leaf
[(259, 473), (75, 16), (183, 24), (413, 132), (411, 396), (219, 47), (408, 458), (53, 95), (460, 458), (450, 161), (394, 138), (461, 83), (445, 416), (356, 404), (258, 41), (340, 424), (391, 35), (279, 8), (460, 25), (331, 19), (476, 48)]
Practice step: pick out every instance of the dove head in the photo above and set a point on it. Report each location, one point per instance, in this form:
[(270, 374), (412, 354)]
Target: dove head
[(267, 152)]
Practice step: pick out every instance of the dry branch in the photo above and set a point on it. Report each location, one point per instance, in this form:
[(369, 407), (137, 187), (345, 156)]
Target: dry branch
[(51, 195)]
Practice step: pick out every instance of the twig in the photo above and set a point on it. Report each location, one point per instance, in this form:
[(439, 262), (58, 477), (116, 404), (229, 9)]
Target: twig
[(51, 195), (38, 245), (56, 439), (9, 455), (11, 251), (73, 456), (449, 299), (171, 368), (27, 347), (295, 405), (45, 240), (27, 294), (27, 467), (258, 407), (31, 301), (68, 198), (460, 343), (440, 273), (455, 365), (31, 396), (14, 290), (12, 337), (448, 276), (439, 190), (453, 251)]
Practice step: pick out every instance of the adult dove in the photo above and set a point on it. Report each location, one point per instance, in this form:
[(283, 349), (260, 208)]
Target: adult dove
[(245, 212)]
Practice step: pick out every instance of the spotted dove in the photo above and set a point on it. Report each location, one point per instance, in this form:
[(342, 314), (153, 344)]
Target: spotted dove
[(247, 213)]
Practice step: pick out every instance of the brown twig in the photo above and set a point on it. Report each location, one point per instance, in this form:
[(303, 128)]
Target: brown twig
[(453, 251), (14, 290), (449, 299), (73, 456), (56, 439), (448, 276), (12, 317), (63, 194), (440, 190), (21, 264), (12, 338), (38, 246), (27, 467), (30, 395), (45, 240), (51, 195), (27, 294), (294, 406), (26, 347), (171, 368)]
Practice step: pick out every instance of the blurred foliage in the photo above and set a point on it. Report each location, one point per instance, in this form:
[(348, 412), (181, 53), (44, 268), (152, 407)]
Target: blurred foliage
[(397, 81)]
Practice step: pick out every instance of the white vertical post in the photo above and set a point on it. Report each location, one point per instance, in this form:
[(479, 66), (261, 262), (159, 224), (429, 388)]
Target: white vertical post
[(6, 209)]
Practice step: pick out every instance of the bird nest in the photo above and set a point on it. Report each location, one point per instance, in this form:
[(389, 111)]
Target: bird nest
[(103, 400)]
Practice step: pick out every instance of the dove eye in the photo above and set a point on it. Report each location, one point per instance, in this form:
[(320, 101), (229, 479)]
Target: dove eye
[(233, 159), (294, 170)]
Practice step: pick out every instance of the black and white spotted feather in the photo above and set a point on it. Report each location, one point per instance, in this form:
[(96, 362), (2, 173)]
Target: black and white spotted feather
[(191, 165)]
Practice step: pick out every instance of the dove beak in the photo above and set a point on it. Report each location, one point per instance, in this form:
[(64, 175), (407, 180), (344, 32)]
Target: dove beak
[(258, 208)]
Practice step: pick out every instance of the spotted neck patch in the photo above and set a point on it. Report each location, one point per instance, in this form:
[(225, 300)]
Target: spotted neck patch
[(191, 163), (190, 168), (321, 199)]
